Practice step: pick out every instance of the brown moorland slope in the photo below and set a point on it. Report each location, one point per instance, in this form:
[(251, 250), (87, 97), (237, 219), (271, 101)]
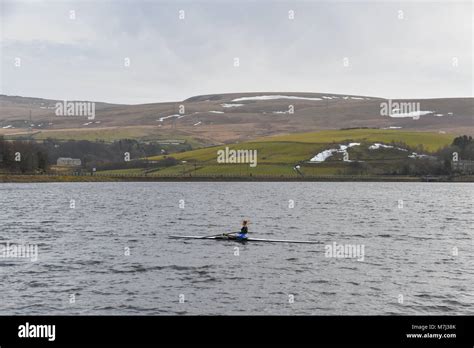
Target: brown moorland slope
[(222, 118)]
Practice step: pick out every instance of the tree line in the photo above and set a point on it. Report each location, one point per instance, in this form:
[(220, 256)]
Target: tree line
[(36, 157)]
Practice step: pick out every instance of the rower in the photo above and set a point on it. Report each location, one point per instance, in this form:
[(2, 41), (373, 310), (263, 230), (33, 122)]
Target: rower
[(243, 231)]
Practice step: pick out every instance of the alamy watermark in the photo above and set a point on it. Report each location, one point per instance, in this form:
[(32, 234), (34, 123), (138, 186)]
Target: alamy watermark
[(19, 250), (75, 108), (400, 109), (237, 156), (345, 251), (37, 331)]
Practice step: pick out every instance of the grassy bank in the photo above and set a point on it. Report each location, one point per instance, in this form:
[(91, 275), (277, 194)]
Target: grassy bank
[(25, 178), (225, 178)]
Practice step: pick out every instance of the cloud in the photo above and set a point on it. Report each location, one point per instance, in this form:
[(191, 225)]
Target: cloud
[(172, 59)]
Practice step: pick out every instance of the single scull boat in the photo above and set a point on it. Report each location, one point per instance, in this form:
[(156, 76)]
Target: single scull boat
[(235, 239)]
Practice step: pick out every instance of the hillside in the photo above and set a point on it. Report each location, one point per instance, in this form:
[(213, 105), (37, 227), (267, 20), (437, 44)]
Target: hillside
[(278, 155), (227, 118)]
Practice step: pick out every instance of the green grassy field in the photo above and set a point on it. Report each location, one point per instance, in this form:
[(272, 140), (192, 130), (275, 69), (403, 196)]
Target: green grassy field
[(228, 169), (268, 152), (279, 154), (133, 171), (143, 134), (430, 141), (107, 135)]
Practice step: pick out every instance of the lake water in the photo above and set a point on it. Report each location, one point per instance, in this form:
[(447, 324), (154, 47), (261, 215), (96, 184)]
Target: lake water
[(103, 248)]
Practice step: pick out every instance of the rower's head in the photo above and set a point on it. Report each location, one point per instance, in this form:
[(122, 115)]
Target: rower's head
[(244, 223)]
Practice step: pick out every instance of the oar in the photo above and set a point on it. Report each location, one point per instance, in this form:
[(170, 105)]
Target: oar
[(220, 234)]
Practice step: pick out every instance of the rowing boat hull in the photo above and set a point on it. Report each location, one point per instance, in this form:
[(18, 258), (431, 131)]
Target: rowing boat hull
[(234, 239)]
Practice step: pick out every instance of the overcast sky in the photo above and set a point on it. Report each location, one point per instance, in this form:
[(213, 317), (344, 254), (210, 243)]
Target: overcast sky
[(393, 49)]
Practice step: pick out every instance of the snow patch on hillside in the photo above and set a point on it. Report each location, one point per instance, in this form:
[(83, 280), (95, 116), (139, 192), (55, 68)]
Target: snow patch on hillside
[(377, 146), (324, 155), (225, 105), (273, 97), (414, 155), (394, 113), (161, 119)]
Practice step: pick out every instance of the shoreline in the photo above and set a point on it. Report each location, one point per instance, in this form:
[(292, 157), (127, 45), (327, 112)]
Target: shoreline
[(32, 178)]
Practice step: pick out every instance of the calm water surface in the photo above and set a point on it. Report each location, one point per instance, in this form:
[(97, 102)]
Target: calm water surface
[(111, 254)]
